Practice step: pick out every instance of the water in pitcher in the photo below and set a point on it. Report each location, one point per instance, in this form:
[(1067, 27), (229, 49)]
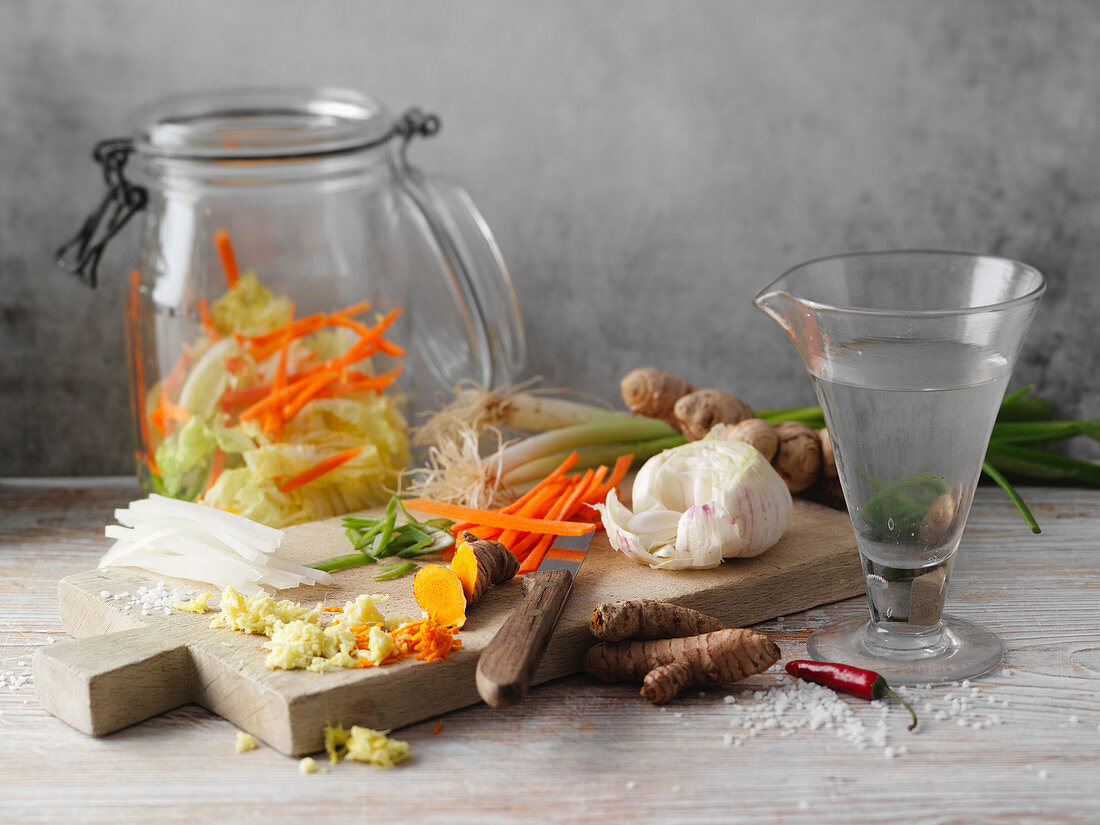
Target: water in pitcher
[(914, 432)]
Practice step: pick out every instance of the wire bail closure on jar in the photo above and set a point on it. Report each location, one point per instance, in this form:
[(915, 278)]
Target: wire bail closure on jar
[(81, 254)]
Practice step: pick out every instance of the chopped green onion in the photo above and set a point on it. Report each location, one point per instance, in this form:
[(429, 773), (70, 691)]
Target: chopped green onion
[(378, 538), (396, 571)]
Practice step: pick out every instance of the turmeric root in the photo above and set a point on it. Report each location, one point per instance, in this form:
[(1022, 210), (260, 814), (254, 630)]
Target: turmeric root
[(648, 619), (439, 592), (667, 666), (698, 411), (479, 564), (652, 392), (798, 459)]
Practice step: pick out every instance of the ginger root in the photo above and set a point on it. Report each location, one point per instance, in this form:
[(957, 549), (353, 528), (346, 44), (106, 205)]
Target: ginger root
[(647, 619), (755, 431), (697, 412), (828, 460), (440, 593), (798, 459), (652, 392), (667, 666), (479, 564)]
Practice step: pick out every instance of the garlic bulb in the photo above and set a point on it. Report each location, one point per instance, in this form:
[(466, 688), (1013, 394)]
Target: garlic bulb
[(699, 503)]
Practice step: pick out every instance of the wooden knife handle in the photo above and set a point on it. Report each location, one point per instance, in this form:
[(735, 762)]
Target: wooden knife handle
[(508, 662)]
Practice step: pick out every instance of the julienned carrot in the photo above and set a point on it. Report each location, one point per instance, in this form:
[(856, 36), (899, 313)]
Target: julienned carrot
[(137, 358), (174, 381), (303, 326), (319, 469), (271, 420), (273, 398), (207, 320), (216, 467), (307, 394), (492, 518), (366, 384), (229, 260)]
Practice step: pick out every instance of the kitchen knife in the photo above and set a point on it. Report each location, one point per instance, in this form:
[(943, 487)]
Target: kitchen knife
[(508, 662)]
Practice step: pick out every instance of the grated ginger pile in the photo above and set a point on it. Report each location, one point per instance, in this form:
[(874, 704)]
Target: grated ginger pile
[(364, 745), (363, 637)]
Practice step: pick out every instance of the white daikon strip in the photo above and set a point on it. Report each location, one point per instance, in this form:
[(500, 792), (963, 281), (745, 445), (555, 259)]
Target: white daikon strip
[(192, 541), (189, 528), (220, 571), (162, 505), (309, 575)]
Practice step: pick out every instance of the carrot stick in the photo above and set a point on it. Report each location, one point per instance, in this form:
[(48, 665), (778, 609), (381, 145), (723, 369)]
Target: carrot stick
[(561, 470), (490, 518), (319, 469), (538, 507), (229, 260), (207, 320), (562, 508), (622, 467), (535, 557), (525, 545)]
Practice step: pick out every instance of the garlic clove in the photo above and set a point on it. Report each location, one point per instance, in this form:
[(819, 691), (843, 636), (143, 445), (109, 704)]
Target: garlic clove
[(705, 532), (655, 527)]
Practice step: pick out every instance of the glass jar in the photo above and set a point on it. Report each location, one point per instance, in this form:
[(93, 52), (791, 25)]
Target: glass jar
[(300, 291)]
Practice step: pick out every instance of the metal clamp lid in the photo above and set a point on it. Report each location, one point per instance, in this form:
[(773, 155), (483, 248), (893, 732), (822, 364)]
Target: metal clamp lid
[(80, 255)]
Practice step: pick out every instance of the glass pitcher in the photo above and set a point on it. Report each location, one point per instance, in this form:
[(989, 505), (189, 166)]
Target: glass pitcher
[(910, 354), (300, 291)]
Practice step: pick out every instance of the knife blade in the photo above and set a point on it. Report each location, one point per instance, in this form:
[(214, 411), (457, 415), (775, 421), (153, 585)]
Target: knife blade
[(508, 662)]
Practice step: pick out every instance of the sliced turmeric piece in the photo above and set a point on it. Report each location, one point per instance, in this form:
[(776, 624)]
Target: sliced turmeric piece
[(648, 619), (667, 666), (439, 592), (479, 564)]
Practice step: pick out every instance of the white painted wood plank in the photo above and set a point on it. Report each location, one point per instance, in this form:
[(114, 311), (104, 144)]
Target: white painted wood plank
[(568, 754)]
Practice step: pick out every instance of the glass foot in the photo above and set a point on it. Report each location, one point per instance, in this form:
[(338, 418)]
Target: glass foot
[(962, 650)]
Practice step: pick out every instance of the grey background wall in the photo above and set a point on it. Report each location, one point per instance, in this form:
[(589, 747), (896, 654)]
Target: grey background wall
[(646, 167)]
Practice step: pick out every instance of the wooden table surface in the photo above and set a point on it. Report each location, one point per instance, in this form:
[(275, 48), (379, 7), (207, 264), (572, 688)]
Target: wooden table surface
[(1027, 748)]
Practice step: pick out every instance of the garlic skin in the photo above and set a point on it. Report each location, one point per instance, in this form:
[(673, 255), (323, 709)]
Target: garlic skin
[(699, 503)]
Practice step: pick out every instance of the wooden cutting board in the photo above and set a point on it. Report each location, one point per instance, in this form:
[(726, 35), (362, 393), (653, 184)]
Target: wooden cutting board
[(125, 667)]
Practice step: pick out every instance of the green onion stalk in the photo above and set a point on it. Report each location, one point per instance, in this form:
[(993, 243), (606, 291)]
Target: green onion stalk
[(469, 458)]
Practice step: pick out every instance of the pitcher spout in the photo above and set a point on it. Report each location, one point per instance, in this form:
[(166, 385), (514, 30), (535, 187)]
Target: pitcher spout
[(797, 318)]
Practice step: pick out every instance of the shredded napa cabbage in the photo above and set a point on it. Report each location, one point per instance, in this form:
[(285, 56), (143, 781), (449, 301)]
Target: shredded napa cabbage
[(250, 308), (234, 465)]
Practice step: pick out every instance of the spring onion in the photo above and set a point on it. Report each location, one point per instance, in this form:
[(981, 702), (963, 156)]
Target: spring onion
[(374, 539)]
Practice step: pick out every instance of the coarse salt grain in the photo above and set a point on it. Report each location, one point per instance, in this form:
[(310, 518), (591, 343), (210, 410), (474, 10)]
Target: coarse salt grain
[(631, 785)]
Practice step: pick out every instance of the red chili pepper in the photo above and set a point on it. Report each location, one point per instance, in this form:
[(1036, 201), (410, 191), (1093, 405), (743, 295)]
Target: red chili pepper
[(865, 684)]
